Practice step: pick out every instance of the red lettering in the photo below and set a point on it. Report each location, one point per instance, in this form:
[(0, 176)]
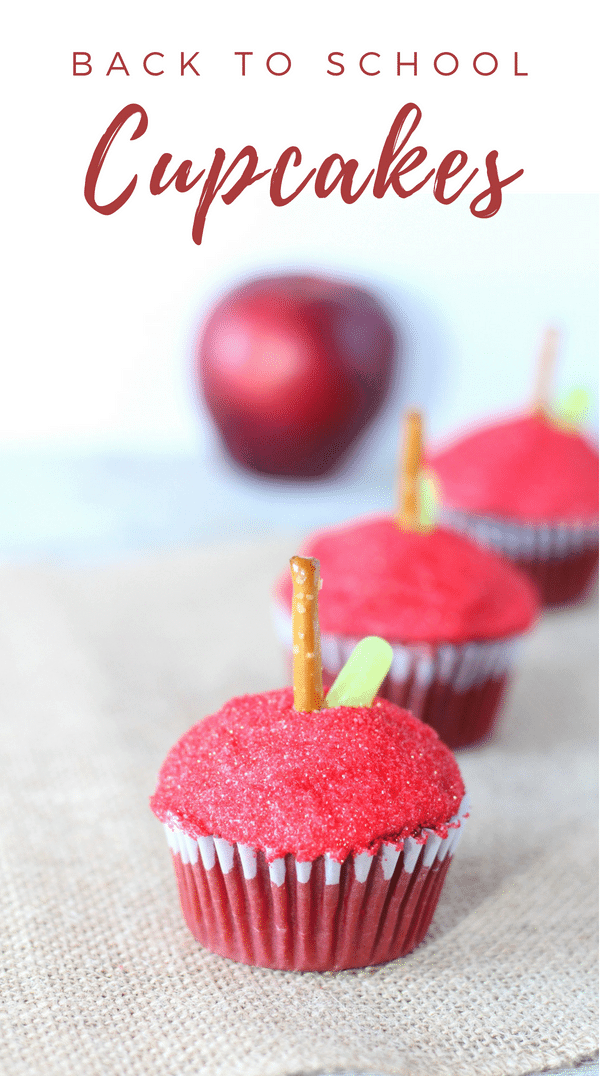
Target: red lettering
[(99, 154), (478, 57), (410, 160), (396, 160), (363, 69), (188, 63), (517, 72), (406, 63), (439, 56), (180, 177), (336, 62), (212, 185), (346, 175), (117, 67), (493, 193), (278, 173), (243, 55), (146, 58), (452, 164), (84, 63), (286, 57)]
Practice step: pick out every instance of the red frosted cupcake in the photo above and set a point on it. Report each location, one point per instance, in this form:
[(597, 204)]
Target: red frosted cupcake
[(529, 489), (452, 611), (307, 837)]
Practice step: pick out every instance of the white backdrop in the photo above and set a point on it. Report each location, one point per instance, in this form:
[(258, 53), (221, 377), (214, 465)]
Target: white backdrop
[(101, 311)]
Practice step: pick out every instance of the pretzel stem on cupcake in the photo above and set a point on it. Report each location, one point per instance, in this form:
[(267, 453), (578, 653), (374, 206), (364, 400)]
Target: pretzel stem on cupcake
[(306, 637), (409, 514), (545, 371)]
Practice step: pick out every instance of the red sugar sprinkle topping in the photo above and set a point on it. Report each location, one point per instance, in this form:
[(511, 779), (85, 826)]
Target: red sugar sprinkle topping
[(413, 587), (526, 469), (335, 780)]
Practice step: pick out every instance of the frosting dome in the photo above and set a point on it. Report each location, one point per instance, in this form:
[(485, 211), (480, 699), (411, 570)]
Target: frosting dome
[(336, 780), (414, 587), (526, 469)]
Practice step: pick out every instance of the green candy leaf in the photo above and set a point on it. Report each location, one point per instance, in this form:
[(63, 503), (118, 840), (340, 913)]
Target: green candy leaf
[(430, 499), (363, 674), (572, 408)]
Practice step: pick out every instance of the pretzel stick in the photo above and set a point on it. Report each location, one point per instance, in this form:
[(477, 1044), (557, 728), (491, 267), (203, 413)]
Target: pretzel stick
[(409, 492), (308, 673), (545, 370)]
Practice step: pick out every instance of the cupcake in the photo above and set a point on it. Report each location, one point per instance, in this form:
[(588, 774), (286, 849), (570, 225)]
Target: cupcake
[(308, 836), (527, 486), (529, 489), (452, 611)]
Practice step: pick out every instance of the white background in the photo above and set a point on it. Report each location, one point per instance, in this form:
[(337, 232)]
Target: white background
[(101, 312)]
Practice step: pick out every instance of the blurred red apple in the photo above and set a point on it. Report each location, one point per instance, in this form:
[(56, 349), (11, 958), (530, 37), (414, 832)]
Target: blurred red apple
[(292, 369)]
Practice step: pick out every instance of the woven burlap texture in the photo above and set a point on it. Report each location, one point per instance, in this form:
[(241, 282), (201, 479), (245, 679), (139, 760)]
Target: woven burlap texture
[(101, 671)]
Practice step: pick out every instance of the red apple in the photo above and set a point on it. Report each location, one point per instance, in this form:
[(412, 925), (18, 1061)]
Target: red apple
[(292, 369)]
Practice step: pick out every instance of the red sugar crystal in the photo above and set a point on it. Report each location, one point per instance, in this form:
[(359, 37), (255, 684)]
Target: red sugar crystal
[(335, 780), (414, 587), (526, 469)]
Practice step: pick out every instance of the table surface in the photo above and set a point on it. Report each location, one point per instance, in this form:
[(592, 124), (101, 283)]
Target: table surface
[(84, 514)]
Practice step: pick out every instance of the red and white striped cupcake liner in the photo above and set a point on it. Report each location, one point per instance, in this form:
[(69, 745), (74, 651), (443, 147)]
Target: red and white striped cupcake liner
[(456, 688), (560, 558), (319, 915)]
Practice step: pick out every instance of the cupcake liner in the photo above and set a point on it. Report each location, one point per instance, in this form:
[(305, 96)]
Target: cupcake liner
[(456, 688), (560, 558), (319, 915)]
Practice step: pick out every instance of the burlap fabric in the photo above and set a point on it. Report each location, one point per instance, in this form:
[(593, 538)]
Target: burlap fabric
[(102, 670)]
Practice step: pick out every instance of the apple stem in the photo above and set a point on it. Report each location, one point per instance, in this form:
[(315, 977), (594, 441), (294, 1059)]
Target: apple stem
[(409, 495), (306, 636), (545, 370)]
